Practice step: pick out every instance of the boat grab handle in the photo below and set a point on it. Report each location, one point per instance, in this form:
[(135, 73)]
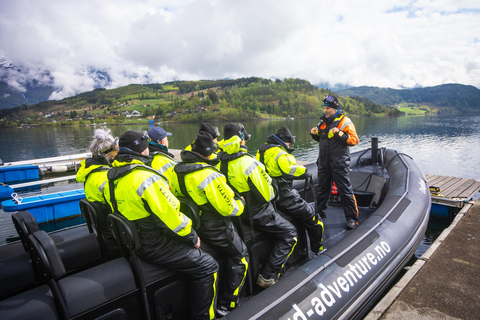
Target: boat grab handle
[(17, 198)]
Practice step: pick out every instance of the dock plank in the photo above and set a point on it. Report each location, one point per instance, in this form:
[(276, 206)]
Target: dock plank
[(454, 191), (471, 189), (442, 182)]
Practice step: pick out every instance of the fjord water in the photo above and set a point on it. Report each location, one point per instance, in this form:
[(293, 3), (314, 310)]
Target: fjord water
[(442, 145)]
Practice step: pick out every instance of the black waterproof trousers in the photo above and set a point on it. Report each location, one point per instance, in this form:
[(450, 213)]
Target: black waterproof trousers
[(291, 203), (179, 256), (222, 236), (337, 169), (266, 219)]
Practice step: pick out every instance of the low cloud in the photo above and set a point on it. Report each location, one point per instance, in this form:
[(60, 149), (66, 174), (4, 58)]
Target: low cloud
[(394, 43)]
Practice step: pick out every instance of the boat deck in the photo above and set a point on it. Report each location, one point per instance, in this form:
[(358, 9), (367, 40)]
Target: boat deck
[(336, 224), (452, 191)]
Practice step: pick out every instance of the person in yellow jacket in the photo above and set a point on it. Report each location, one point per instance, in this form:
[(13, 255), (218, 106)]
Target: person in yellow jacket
[(162, 160), (282, 166), (248, 177), (200, 180), (93, 170), (93, 174), (213, 131), (167, 237), (335, 134)]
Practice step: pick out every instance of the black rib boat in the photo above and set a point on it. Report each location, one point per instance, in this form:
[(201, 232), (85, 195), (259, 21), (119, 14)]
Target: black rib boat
[(72, 274)]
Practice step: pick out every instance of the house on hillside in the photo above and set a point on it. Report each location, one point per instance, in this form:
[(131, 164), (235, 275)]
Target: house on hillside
[(136, 113), (114, 113)]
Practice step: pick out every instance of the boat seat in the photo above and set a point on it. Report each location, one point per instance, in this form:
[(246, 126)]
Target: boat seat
[(95, 214), (77, 253), (34, 304), (96, 291), (190, 209), (16, 274), (155, 283)]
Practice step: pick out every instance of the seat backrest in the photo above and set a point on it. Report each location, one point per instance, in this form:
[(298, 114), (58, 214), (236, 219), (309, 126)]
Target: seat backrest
[(88, 290), (25, 224), (125, 232), (95, 214), (45, 253), (191, 210), (128, 240)]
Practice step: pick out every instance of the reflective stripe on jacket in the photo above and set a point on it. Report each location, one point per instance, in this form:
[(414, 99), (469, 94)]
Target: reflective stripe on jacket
[(206, 185), (93, 174), (245, 173), (280, 163), (164, 165), (142, 192), (344, 124), (334, 146)]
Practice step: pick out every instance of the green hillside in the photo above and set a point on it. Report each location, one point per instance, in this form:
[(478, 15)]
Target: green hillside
[(245, 98), (443, 97)]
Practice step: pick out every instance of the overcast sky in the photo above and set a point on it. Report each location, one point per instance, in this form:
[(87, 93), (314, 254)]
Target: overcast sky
[(385, 43)]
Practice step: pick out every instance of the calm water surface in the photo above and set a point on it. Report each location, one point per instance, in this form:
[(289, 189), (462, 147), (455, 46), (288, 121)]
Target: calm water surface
[(439, 145)]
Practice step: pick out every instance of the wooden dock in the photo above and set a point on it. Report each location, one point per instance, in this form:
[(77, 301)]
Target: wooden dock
[(452, 191)]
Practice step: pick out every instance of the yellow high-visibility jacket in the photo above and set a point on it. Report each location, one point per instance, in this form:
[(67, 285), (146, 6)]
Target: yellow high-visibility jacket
[(141, 192)]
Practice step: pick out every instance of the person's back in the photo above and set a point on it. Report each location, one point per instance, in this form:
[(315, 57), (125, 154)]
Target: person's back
[(162, 160), (93, 173), (168, 239), (204, 184), (213, 131), (282, 166), (248, 177), (93, 170)]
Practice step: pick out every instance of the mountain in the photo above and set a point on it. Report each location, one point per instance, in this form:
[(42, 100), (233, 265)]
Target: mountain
[(38, 89), (467, 98)]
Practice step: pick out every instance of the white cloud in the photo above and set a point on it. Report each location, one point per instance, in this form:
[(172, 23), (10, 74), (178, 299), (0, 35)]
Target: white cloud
[(394, 43)]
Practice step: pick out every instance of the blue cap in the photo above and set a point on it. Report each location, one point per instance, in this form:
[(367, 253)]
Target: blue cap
[(157, 134)]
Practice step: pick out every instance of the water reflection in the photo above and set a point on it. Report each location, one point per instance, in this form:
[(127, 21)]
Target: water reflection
[(439, 145)]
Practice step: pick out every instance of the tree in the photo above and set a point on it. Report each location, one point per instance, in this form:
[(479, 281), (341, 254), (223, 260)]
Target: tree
[(213, 96)]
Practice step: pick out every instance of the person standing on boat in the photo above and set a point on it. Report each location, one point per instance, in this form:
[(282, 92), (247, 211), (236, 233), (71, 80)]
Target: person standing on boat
[(282, 166), (168, 239), (200, 180), (213, 131), (162, 160), (247, 176), (335, 134), (93, 174)]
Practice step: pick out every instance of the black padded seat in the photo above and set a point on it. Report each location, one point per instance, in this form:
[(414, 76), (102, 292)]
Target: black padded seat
[(95, 214), (16, 274), (149, 277), (35, 304), (77, 252), (190, 209), (86, 290)]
